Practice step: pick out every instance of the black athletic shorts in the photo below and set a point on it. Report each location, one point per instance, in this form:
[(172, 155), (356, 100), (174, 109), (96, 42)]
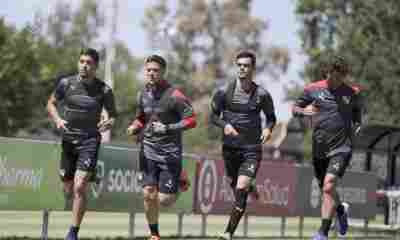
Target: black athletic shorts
[(79, 154), (241, 162), (164, 175), (335, 165)]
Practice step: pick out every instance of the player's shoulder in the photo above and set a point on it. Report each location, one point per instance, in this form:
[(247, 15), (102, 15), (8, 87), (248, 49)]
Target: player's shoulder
[(321, 84), (66, 80), (105, 88), (356, 88), (261, 91), (178, 93)]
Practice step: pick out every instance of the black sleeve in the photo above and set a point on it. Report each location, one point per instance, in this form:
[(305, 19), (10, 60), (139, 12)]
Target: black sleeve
[(109, 102), (269, 111), (61, 88), (358, 109), (216, 109), (301, 102)]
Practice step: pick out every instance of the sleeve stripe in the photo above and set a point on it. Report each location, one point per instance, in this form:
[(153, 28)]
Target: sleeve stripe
[(190, 122)]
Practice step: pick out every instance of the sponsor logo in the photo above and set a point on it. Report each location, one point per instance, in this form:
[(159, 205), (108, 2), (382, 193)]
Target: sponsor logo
[(19, 177), (208, 183)]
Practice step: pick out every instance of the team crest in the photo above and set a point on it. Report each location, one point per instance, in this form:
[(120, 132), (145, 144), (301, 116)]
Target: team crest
[(346, 99)]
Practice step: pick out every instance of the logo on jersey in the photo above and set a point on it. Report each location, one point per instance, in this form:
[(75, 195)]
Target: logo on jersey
[(169, 184), (251, 168), (346, 99)]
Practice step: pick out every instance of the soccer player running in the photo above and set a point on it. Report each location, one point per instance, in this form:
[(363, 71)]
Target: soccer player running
[(236, 109), (335, 108), (81, 98), (163, 113)]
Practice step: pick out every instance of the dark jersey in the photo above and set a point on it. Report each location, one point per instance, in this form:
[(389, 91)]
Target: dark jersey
[(82, 103), (231, 105), (170, 107), (340, 111)]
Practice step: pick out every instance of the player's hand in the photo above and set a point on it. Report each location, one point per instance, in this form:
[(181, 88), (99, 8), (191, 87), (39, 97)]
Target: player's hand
[(265, 135), (310, 110), (159, 127), (105, 124), (132, 129), (229, 130), (61, 124)]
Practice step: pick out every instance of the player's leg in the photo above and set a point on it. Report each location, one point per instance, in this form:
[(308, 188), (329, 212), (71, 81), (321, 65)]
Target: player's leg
[(337, 167), (151, 202), (246, 173), (232, 163), (87, 150), (320, 166)]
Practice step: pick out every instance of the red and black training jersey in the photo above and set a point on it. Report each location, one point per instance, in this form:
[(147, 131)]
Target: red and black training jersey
[(171, 107), (340, 110)]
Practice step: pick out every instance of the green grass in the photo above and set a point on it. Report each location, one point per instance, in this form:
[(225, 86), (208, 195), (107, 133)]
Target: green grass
[(115, 225)]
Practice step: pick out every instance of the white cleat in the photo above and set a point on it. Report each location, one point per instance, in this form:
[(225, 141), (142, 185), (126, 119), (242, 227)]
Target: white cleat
[(225, 236)]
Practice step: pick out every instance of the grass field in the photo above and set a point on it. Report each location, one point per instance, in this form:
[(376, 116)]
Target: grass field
[(115, 225)]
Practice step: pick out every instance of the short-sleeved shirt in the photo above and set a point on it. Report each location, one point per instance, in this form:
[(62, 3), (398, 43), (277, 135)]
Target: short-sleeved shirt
[(339, 110), (82, 103), (232, 105), (171, 107)]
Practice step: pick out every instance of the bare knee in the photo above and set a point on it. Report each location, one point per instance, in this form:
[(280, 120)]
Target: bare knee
[(150, 193), (329, 186), (80, 187), (167, 200)]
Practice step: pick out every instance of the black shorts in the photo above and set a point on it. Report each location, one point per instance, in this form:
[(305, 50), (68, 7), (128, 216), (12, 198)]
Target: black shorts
[(79, 155), (241, 162), (335, 165), (165, 176)]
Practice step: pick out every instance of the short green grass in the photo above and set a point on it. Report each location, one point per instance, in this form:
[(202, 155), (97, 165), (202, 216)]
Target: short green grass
[(115, 225)]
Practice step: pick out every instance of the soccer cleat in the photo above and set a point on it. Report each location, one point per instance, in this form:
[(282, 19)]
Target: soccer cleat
[(154, 237), (184, 182), (72, 235), (319, 236), (342, 222), (225, 236)]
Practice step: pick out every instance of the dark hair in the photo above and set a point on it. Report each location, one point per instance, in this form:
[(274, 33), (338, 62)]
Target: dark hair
[(92, 53), (247, 54), (339, 64), (158, 59)]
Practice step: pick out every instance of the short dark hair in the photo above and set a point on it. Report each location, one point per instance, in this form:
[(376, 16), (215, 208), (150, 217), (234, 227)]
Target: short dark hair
[(92, 53), (247, 54), (158, 59), (339, 64)]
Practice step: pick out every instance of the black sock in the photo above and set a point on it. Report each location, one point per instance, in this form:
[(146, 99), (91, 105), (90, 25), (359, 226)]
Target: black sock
[(340, 209), (154, 229), (234, 220), (237, 211), (74, 229), (325, 226)]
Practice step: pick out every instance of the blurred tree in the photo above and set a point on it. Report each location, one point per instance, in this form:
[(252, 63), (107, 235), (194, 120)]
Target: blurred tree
[(19, 70), (367, 33), (57, 40), (200, 40)]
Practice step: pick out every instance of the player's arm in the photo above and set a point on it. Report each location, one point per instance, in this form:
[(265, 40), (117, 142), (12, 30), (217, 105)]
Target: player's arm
[(216, 109), (109, 105), (139, 121), (300, 107), (185, 109), (270, 117), (51, 107), (358, 111)]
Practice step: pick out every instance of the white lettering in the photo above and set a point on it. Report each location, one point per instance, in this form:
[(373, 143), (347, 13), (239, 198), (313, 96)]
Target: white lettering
[(12, 177)]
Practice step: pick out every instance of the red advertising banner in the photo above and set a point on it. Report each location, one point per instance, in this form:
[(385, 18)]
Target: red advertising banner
[(276, 184)]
